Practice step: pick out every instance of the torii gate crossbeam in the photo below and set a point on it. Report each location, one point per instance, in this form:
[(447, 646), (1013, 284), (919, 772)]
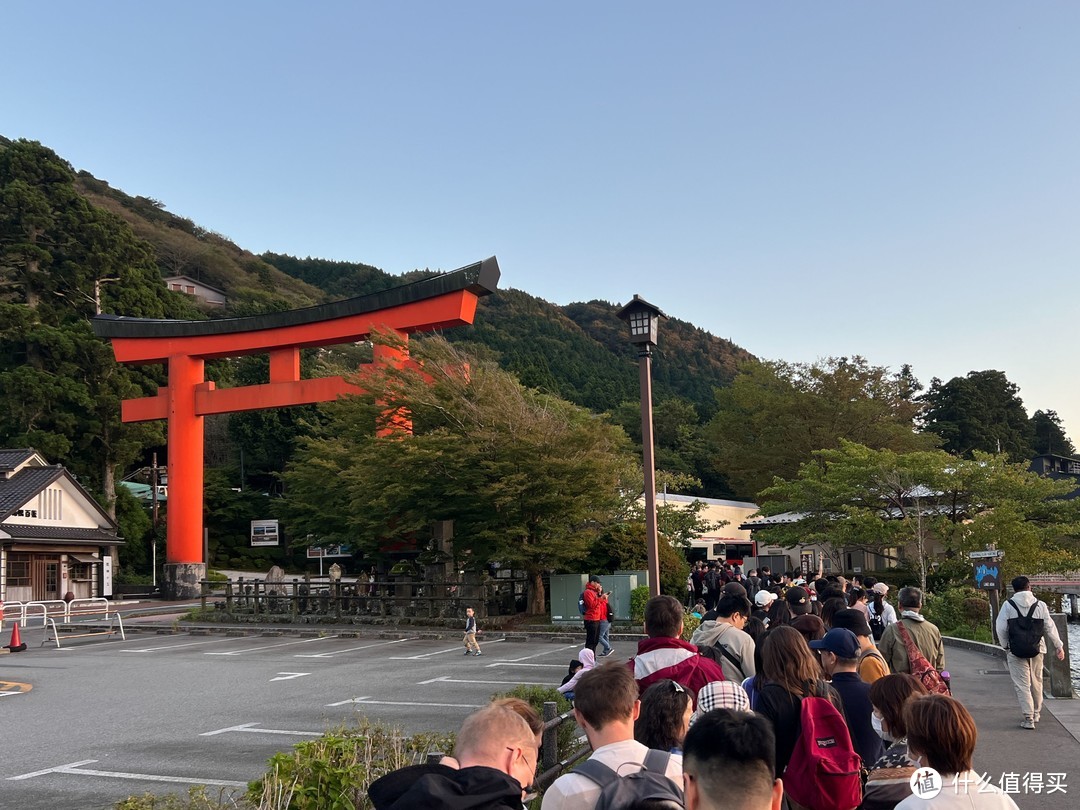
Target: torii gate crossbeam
[(435, 303)]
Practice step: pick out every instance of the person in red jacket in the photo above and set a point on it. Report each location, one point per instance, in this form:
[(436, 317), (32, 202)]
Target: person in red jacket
[(664, 655), (595, 612)]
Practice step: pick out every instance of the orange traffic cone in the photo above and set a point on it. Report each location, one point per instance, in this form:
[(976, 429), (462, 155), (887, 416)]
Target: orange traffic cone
[(16, 644)]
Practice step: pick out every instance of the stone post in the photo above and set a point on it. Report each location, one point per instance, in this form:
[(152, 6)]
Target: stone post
[(1060, 671)]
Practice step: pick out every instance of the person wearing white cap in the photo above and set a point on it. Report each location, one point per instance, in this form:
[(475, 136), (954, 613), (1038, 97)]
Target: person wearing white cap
[(762, 601), (879, 612)]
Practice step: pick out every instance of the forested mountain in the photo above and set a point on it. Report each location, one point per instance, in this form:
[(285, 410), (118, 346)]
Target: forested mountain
[(578, 351)]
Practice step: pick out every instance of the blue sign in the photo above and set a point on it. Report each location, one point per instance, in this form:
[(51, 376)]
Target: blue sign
[(988, 576)]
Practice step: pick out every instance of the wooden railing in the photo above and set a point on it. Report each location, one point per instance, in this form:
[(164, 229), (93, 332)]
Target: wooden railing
[(343, 600)]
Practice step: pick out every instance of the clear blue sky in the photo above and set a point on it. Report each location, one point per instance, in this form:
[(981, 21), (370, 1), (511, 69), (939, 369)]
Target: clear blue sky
[(899, 180)]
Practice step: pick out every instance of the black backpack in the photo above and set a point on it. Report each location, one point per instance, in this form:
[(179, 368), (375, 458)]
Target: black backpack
[(877, 624), (1025, 632), (581, 603), (623, 792)]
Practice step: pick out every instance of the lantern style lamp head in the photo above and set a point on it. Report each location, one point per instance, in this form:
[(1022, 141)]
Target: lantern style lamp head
[(643, 318)]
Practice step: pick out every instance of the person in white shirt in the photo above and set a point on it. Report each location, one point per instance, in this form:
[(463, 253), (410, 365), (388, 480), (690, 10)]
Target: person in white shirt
[(1027, 671), (605, 706)]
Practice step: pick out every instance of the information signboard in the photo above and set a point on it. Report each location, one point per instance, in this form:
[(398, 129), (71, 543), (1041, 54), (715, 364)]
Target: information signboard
[(264, 533)]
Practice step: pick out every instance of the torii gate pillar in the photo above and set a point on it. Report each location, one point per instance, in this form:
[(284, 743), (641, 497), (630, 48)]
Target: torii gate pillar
[(434, 303)]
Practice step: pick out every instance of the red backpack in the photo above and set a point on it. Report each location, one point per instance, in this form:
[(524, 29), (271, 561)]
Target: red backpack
[(921, 668), (824, 772)]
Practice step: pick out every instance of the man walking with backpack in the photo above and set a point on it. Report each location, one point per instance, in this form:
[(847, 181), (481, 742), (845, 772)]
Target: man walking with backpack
[(1022, 623)]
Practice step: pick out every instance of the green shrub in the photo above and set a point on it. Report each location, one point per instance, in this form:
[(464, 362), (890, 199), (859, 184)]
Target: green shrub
[(690, 624), (333, 772), (638, 597), (962, 607)]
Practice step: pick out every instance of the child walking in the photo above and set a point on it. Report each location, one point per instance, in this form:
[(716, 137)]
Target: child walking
[(471, 647)]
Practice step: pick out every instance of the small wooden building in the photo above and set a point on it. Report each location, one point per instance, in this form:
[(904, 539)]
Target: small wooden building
[(54, 537)]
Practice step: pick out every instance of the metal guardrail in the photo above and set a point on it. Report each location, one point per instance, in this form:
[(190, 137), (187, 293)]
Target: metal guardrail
[(83, 609), (552, 766), (24, 611)]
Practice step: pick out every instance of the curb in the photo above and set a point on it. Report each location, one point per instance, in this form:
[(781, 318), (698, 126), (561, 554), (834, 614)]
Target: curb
[(992, 650)]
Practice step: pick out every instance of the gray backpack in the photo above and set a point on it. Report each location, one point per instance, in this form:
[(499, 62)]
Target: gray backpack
[(624, 792)]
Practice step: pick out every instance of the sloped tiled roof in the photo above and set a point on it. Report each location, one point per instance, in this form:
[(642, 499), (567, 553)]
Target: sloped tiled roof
[(24, 485), (59, 534), (10, 459)]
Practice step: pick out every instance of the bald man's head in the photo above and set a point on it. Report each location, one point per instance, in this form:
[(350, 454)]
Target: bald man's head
[(498, 737)]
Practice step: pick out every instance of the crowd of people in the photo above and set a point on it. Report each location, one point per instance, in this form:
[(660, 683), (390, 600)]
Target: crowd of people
[(785, 679)]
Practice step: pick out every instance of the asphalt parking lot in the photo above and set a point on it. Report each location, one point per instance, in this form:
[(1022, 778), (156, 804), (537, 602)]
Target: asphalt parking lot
[(106, 718)]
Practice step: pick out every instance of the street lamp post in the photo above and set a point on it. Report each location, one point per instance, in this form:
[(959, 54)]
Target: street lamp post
[(643, 318)]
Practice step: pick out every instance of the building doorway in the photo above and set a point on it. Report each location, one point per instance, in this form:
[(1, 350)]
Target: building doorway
[(45, 578)]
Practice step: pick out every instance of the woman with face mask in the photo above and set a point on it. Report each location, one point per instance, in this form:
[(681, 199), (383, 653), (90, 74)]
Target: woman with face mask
[(889, 780), (942, 735)]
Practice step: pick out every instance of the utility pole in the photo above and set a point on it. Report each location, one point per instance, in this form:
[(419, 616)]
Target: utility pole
[(153, 518)]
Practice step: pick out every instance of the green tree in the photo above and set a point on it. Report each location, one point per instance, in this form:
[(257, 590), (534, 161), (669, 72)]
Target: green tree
[(855, 497), (1049, 435), (528, 479), (61, 261), (776, 415), (982, 411), (621, 547)]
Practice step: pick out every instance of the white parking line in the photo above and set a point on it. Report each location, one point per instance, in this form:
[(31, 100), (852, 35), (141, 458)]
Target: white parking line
[(272, 646), (363, 701), (75, 768), (178, 646), (537, 655), (515, 664), (250, 729), (448, 679), (352, 649), (423, 656)]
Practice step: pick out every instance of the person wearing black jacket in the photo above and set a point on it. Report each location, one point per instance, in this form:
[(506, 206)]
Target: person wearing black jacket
[(496, 757), (840, 658)]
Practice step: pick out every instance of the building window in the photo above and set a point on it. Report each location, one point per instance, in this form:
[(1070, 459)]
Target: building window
[(82, 571), (18, 569)]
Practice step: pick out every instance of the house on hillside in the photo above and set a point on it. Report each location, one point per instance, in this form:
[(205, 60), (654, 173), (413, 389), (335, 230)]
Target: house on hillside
[(54, 537), (202, 292), (1058, 467)]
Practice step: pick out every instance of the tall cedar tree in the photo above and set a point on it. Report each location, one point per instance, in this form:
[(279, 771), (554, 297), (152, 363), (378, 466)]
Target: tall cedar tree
[(982, 411)]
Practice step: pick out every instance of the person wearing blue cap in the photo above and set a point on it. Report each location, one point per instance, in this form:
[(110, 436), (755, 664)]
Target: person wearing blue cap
[(840, 658)]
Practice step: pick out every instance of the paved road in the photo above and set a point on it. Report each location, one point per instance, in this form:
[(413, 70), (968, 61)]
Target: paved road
[(107, 718)]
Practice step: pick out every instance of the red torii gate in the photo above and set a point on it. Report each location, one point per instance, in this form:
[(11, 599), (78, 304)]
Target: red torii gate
[(433, 303)]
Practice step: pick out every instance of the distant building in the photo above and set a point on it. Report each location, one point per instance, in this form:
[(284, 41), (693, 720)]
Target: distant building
[(54, 537), (1058, 468), (200, 291)]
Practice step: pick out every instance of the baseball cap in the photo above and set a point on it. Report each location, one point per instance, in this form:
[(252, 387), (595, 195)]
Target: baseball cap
[(839, 641), (796, 595), (765, 598), (881, 587), (853, 620), (593, 578), (734, 587), (720, 695)]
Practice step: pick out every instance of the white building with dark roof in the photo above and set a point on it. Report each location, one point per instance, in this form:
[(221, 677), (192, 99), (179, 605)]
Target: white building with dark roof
[(54, 537)]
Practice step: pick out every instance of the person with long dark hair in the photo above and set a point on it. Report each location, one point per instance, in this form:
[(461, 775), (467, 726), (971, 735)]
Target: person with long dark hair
[(665, 716), (791, 672)]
